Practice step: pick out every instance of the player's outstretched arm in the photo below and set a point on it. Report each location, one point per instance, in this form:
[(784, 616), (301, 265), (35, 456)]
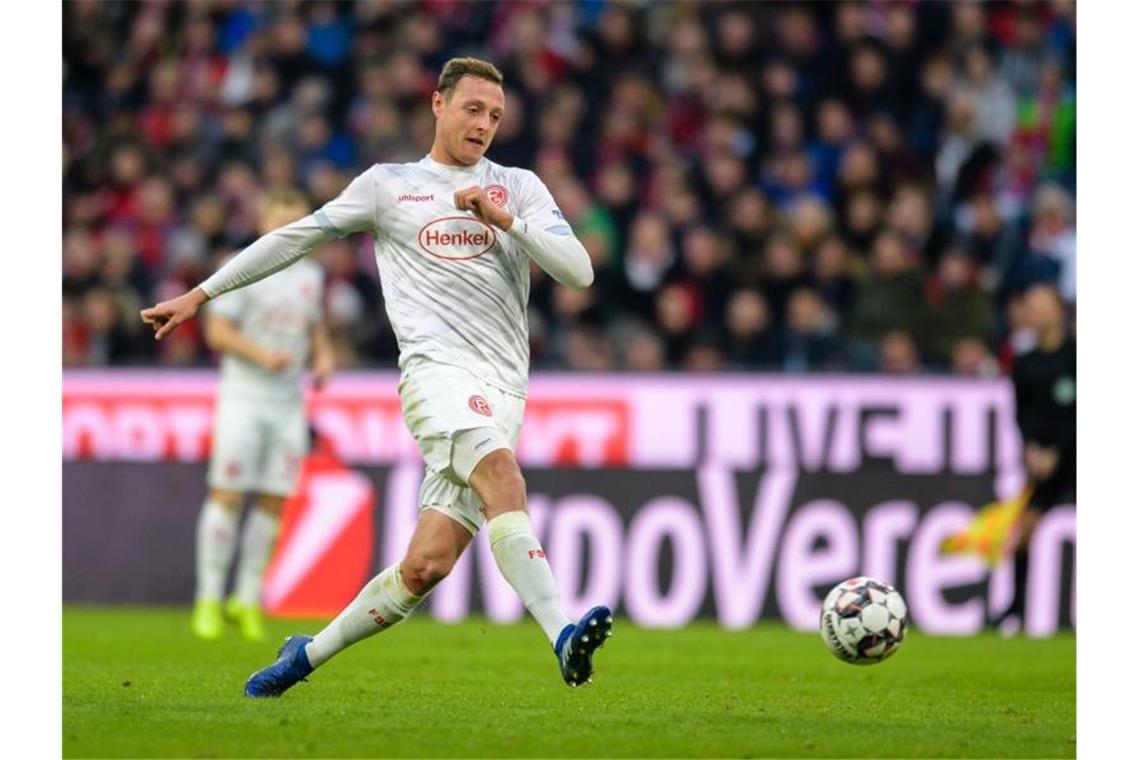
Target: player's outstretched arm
[(268, 254), (352, 211)]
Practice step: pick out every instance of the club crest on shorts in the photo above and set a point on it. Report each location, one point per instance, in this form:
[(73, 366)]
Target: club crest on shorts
[(479, 405), (497, 194)]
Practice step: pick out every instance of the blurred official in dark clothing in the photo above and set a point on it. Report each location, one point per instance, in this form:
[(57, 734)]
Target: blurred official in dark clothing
[(1045, 384)]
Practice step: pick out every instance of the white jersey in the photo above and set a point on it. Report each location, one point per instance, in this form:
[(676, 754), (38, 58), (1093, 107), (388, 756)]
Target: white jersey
[(277, 313), (455, 288)]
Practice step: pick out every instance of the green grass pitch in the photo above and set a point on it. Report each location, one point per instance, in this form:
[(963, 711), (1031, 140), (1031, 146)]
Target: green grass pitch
[(136, 683)]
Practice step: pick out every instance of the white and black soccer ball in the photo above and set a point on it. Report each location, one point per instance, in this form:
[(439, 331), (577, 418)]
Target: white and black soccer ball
[(863, 621)]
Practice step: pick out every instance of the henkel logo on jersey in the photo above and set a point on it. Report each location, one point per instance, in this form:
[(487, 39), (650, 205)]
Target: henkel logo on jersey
[(456, 238)]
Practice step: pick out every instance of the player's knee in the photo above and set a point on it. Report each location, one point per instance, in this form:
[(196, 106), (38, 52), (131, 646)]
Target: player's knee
[(227, 499), (499, 474), (421, 572)]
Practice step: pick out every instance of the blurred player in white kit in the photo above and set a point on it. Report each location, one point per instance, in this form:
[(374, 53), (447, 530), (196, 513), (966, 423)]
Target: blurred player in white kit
[(266, 333), (454, 237)]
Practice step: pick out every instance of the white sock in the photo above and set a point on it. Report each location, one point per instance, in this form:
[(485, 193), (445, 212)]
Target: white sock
[(217, 538), (384, 601), (523, 563), (257, 540)]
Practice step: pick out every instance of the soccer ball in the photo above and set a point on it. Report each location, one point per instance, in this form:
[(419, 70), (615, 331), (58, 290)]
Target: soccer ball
[(863, 621)]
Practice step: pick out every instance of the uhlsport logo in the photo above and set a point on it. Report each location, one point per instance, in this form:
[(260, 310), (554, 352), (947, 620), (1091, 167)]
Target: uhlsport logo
[(497, 194), (456, 237)]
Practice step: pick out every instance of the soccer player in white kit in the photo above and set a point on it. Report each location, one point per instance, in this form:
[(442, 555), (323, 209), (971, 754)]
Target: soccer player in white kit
[(455, 234), (266, 334)]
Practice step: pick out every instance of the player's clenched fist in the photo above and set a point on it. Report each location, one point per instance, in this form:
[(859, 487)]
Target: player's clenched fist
[(165, 316), (475, 200)]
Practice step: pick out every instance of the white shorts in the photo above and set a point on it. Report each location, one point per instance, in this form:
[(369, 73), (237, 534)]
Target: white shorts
[(439, 402), (258, 445)]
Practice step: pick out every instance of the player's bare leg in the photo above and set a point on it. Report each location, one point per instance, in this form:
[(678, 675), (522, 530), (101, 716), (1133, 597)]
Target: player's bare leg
[(258, 537), (435, 547), (216, 542), (520, 557), (500, 485)]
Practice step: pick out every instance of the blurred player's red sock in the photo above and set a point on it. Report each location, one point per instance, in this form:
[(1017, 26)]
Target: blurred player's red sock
[(257, 539), (523, 563), (217, 538), (384, 601)]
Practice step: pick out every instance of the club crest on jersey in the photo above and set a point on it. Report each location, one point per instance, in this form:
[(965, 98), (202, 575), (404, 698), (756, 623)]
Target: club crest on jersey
[(456, 238), (479, 405), (497, 194)]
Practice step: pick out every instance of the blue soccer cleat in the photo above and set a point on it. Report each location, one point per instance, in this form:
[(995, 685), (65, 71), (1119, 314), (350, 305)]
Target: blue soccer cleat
[(576, 644), (291, 666)]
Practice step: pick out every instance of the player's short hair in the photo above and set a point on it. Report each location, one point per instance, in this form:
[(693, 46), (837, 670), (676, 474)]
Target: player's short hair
[(285, 196), (457, 68)]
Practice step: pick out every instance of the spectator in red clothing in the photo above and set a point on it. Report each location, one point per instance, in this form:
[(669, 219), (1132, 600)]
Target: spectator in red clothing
[(153, 219), (127, 169)]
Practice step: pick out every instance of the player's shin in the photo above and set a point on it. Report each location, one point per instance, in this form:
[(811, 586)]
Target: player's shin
[(257, 540), (523, 563), (216, 541), (384, 601)]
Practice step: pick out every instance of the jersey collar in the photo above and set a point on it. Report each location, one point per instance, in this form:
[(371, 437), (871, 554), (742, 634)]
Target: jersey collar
[(431, 163)]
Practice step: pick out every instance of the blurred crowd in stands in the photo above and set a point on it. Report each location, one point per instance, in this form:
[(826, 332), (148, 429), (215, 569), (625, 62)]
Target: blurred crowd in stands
[(853, 186)]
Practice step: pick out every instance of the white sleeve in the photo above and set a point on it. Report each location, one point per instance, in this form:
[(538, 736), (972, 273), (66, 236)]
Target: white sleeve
[(351, 211), (354, 210), (543, 233)]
